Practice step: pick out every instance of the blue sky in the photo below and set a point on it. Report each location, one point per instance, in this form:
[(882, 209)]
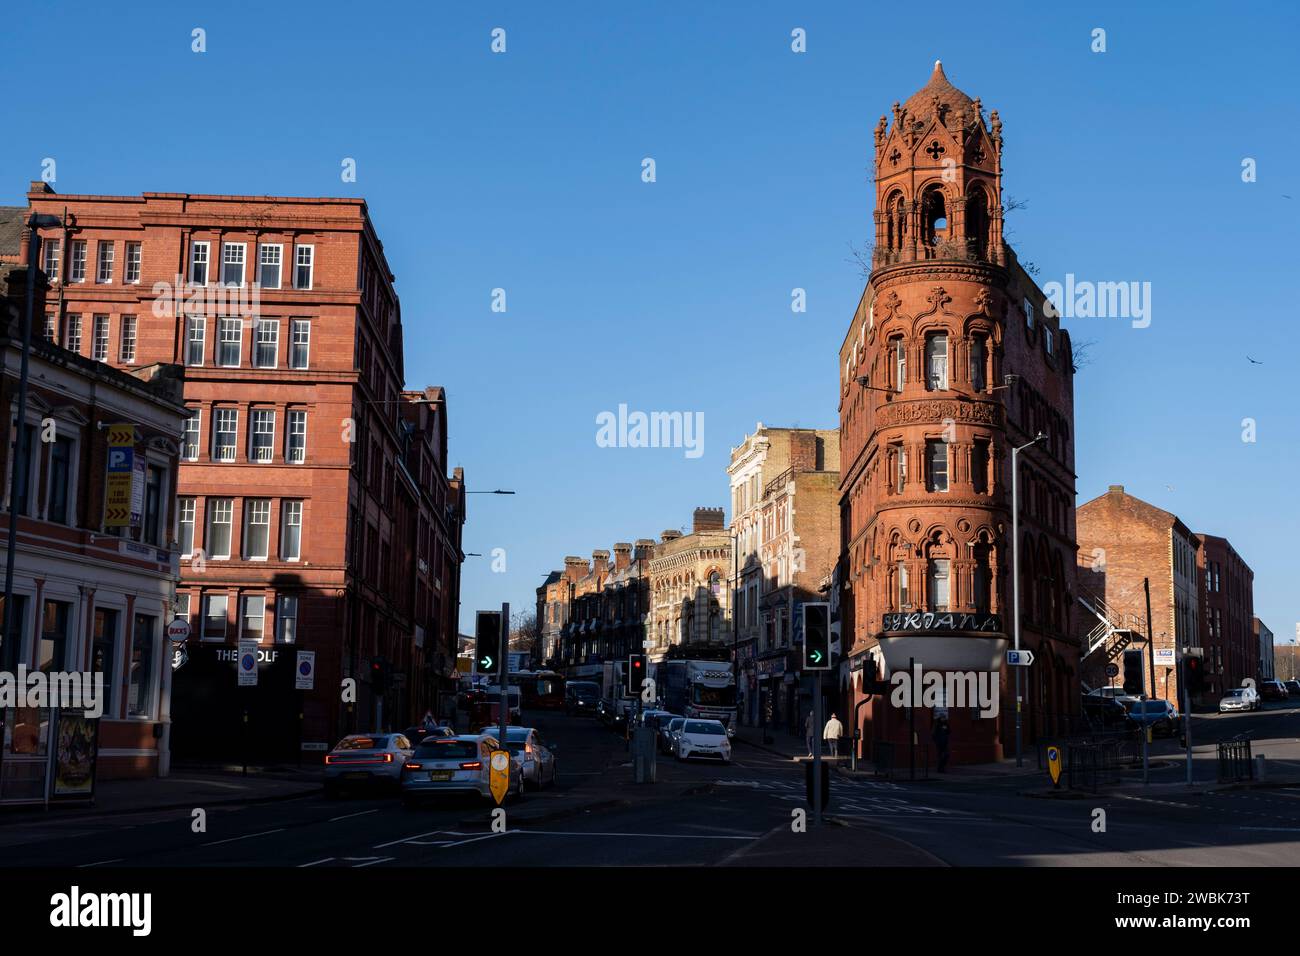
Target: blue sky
[(522, 171)]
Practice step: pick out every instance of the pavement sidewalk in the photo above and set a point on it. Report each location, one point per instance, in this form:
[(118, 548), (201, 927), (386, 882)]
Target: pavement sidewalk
[(184, 788)]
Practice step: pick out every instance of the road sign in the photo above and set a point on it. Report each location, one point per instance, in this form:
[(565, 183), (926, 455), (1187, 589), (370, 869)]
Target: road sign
[(499, 779), (1054, 764), (178, 631), (246, 663), (1164, 657), (1020, 658), (305, 676), (119, 483), (1112, 669)]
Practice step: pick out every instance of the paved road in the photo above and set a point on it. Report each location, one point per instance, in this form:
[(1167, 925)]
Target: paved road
[(696, 814)]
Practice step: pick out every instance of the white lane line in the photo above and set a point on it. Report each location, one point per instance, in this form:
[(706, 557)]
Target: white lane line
[(488, 836), (419, 836), (100, 863), (348, 816), (246, 836), (656, 836), (1273, 829), (315, 862)]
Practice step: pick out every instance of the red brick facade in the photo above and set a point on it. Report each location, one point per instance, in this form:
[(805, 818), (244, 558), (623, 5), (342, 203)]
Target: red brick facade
[(927, 425), (315, 504), (1227, 595)]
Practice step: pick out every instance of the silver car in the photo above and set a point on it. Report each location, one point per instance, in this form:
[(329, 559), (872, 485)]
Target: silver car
[(443, 766), (538, 759), (668, 735), (366, 759)]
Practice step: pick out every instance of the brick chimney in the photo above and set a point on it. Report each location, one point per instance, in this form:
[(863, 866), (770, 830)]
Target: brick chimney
[(575, 568), (708, 519), (803, 451), (645, 549), (622, 556), (672, 534), (600, 563)]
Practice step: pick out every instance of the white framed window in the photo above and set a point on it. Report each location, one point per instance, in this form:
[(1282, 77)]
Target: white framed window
[(299, 343), (904, 599), (126, 341), (261, 434), (221, 513), (232, 263), (253, 620), (303, 261), (936, 362), (183, 605), (266, 348), (1029, 312), (295, 449), (132, 274), (938, 597), (190, 436), (196, 340), (50, 259), (291, 531), (215, 615), (72, 334), (49, 327), (1047, 341), (257, 528), (104, 269), (286, 619), (900, 364), (225, 428), (99, 342), (230, 341), (200, 251), (77, 261), (268, 265), (185, 526), (937, 464)]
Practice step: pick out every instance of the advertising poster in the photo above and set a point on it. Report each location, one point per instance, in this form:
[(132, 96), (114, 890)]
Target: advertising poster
[(75, 751)]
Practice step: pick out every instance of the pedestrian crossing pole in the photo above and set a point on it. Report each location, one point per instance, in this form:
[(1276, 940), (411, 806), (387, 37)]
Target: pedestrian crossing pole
[(817, 747)]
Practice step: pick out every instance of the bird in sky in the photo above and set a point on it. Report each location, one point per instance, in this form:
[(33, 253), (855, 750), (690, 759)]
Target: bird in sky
[(1254, 361)]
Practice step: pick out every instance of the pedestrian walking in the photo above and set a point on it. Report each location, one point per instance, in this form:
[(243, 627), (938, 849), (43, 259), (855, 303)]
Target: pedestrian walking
[(941, 734), (832, 733), (808, 731)]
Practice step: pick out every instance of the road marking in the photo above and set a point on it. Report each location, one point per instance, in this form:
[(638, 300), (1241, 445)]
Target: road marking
[(246, 836), (657, 836), (347, 816), (1163, 803), (486, 836), (315, 862), (1273, 829), (100, 863), (367, 860)]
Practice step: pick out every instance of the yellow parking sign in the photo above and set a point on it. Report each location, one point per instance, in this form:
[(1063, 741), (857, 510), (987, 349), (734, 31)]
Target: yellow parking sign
[(1054, 764), (499, 779)]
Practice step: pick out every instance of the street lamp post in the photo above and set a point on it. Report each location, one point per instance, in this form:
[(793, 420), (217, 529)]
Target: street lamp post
[(18, 482), (1015, 576)]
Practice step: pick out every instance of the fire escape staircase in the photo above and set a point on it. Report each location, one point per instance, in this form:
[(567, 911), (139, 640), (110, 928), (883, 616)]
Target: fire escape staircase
[(1114, 630)]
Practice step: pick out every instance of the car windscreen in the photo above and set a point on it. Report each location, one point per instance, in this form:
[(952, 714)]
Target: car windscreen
[(707, 728), (1237, 693), (448, 750), (363, 743)]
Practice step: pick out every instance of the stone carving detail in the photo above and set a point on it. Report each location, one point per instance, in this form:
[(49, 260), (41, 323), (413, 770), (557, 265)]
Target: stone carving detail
[(938, 298), (908, 413), (890, 303)]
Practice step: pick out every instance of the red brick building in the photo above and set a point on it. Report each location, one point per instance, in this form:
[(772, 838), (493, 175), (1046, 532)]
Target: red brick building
[(928, 418), (1123, 541), (314, 512), (1227, 613)]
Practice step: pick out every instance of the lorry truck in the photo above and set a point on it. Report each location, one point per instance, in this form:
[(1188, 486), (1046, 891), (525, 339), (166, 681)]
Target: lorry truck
[(703, 689)]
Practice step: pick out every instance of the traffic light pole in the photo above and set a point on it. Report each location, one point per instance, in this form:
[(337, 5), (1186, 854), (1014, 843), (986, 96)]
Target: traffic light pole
[(817, 747), (1187, 713), (503, 673)]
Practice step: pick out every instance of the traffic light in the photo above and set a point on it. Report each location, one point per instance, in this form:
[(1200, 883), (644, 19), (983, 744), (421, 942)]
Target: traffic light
[(1195, 674), (487, 641), (1133, 683), (379, 674), (817, 636), (635, 673)]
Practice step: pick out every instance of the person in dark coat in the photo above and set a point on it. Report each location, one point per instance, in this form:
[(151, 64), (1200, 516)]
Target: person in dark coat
[(941, 734)]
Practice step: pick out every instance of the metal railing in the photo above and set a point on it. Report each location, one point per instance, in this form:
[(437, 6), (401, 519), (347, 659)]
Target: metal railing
[(1235, 762)]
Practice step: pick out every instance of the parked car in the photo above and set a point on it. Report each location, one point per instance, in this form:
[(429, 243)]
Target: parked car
[(581, 698), (1273, 690), (703, 738), (537, 759), (1105, 713), (455, 765), (1160, 715), (1292, 687), (366, 759), (1108, 693), (1239, 698)]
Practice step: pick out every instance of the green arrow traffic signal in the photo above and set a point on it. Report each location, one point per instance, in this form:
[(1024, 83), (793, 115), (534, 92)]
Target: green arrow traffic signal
[(485, 662), (817, 657)]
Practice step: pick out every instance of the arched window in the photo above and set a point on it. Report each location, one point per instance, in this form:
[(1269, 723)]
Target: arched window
[(977, 222), (895, 222), (715, 583), (983, 578), (934, 217), (936, 361)]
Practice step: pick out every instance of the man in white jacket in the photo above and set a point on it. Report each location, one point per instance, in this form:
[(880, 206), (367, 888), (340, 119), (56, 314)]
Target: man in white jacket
[(832, 733)]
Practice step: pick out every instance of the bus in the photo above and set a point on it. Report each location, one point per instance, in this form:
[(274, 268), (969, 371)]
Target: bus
[(541, 690)]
